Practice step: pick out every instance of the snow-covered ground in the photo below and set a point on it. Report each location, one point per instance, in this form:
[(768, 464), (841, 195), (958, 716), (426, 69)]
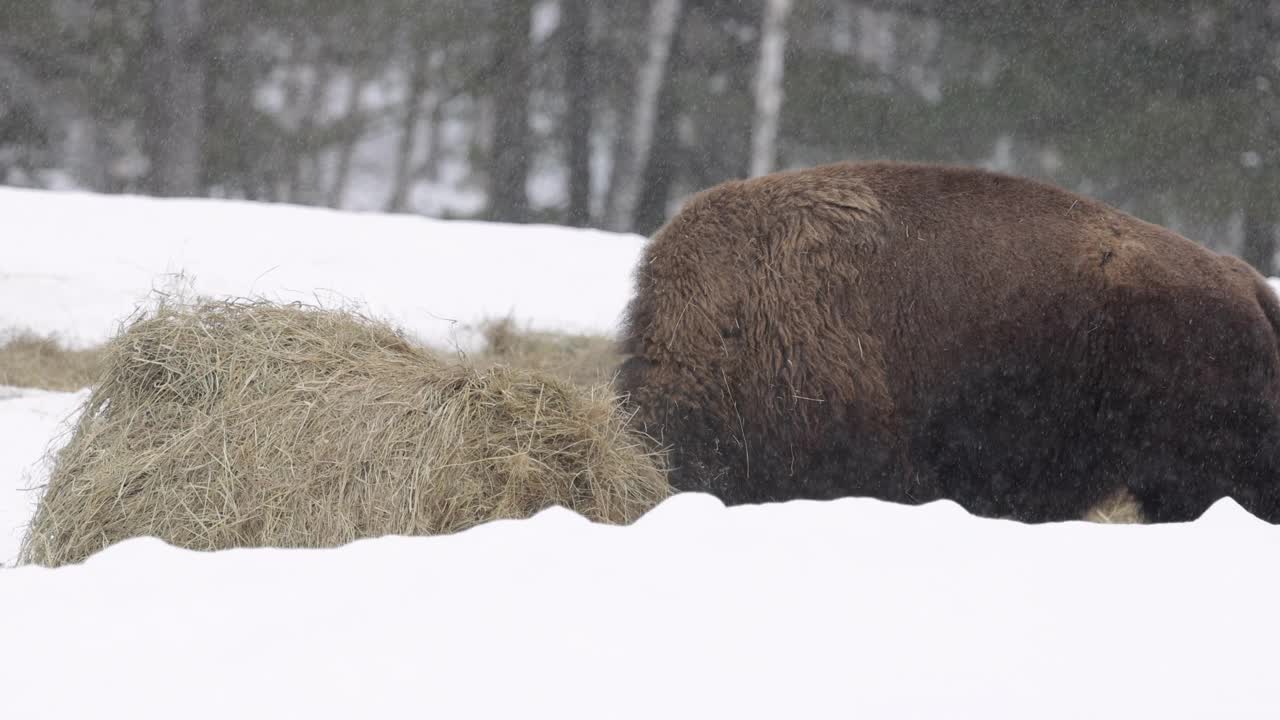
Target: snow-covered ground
[(31, 423), (77, 264), (849, 608), (806, 610)]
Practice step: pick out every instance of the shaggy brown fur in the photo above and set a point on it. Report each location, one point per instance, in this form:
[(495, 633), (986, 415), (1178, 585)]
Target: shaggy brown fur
[(915, 332)]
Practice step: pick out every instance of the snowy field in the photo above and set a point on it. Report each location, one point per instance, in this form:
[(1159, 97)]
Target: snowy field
[(852, 608), (81, 263)]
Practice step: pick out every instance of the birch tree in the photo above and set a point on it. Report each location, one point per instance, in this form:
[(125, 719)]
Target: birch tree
[(664, 16), (768, 86)]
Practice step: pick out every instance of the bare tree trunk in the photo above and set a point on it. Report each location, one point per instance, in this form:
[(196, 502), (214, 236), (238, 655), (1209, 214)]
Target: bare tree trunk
[(354, 127), (664, 17), (1260, 226), (175, 69), (620, 164), (1261, 208), (405, 149), (1260, 244), (288, 168), (660, 166), (576, 28), (768, 89), (435, 140), (509, 151), (306, 181)]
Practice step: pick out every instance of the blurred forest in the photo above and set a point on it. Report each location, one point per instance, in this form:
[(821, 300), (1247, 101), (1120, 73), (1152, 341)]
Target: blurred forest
[(608, 112)]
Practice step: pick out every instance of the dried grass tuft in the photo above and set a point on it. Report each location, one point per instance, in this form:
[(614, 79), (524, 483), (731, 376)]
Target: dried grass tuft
[(583, 359), (232, 424), (35, 361), (1120, 508)]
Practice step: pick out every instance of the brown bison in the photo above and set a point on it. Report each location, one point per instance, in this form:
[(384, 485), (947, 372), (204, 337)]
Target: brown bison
[(915, 332)]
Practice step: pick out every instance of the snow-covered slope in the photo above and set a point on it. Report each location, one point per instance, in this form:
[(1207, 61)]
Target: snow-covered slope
[(76, 264)]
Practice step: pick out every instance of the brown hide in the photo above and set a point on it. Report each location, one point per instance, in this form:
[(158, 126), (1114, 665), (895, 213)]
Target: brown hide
[(915, 332)]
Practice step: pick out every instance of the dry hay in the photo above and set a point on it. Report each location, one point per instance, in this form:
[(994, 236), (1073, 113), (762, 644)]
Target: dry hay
[(34, 361), (1120, 508), (583, 359), (237, 424)]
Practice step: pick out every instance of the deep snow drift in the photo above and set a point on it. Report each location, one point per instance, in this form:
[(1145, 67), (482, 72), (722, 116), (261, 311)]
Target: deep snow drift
[(851, 608), (848, 608)]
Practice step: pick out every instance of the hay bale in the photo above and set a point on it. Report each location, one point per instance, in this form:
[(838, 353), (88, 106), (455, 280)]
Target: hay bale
[(41, 361), (232, 424)]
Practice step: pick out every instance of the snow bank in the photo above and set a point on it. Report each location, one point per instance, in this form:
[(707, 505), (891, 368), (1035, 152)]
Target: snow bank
[(80, 263), (852, 608)]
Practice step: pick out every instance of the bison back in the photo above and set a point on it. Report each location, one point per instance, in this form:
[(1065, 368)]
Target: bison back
[(915, 332)]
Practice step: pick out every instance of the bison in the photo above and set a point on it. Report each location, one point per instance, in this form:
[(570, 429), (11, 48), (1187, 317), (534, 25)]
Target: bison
[(916, 332)]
